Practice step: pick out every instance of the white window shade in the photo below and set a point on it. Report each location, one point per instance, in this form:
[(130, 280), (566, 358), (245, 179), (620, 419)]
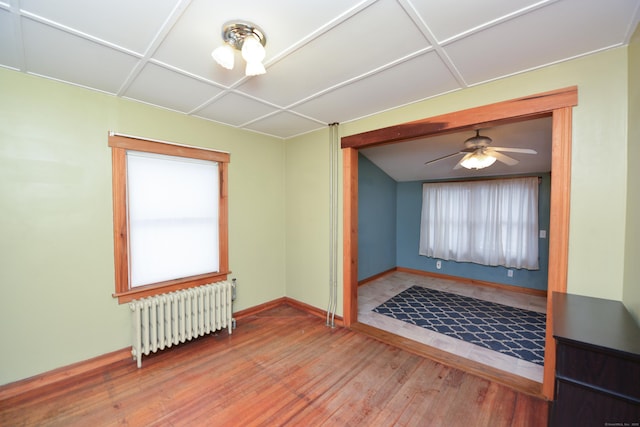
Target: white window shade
[(173, 217)]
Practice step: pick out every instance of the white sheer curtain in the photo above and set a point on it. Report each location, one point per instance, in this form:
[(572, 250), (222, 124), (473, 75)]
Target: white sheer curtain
[(492, 222)]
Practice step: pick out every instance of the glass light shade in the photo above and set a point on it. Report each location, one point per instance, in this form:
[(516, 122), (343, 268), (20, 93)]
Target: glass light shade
[(252, 50), (224, 56), (478, 161), (254, 69)]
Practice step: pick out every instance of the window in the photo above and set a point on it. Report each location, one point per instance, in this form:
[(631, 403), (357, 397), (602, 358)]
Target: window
[(170, 216), (492, 222)]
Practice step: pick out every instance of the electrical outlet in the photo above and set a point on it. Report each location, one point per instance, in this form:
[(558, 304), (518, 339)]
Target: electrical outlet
[(509, 273), (438, 264), (543, 234)]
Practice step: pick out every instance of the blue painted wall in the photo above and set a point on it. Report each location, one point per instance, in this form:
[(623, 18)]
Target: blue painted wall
[(409, 205), (376, 220), (374, 199)]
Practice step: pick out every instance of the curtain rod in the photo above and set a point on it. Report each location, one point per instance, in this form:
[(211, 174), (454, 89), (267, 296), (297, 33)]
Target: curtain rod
[(488, 178)]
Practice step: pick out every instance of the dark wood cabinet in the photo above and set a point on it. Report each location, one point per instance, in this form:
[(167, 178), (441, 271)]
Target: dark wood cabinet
[(597, 380)]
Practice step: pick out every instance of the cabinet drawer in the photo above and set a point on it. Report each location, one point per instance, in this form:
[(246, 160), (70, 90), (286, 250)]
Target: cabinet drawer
[(576, 405), (599, 369)]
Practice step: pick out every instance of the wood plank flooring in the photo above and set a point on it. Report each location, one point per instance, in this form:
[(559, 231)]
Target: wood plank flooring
[(279, 367)]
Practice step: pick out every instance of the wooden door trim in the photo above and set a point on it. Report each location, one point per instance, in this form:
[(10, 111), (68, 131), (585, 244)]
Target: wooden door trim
[(557, 104), (500, 113)]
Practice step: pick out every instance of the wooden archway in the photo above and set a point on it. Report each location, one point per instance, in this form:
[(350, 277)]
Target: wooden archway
[(558, 104)]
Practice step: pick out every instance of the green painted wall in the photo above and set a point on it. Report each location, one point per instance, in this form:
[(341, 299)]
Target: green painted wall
[(308, 219), (57, 273), (631, 296)]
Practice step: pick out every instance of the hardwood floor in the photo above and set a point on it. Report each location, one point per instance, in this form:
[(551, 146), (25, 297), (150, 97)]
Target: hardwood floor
[(279, 367)]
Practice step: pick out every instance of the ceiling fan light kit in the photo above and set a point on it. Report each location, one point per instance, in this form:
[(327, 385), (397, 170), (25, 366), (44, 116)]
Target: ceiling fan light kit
[(478, 154), (477, 160), (247, 38)]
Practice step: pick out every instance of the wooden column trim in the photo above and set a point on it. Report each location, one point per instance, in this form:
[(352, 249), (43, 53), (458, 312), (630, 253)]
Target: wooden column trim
[(350, 243), (558, 232)]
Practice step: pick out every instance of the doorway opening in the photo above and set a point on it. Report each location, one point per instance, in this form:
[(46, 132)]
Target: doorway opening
[(556, 104)]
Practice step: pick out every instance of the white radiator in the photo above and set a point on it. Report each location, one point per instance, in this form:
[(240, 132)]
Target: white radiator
[(164, 320)]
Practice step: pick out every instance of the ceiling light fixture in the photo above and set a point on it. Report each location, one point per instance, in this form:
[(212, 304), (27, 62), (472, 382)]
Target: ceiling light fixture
[(247, 38), (478, 160)]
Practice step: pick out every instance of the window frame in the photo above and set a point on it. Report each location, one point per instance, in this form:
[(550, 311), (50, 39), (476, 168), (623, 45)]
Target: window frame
[(120, 144)]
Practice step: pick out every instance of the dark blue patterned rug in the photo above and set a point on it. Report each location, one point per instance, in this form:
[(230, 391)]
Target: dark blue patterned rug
[(512, 331)]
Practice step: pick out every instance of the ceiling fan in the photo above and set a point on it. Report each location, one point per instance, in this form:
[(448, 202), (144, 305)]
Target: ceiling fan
[(478, 154)]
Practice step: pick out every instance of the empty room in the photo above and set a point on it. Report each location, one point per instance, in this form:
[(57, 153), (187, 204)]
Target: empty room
[(255, 213)]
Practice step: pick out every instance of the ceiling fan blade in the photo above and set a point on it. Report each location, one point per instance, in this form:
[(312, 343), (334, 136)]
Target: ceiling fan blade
[(515, 150), (443, 157), (502, 158), (459, 164)]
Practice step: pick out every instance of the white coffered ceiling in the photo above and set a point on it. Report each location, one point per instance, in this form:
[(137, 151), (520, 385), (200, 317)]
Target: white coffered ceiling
[(327, 60)]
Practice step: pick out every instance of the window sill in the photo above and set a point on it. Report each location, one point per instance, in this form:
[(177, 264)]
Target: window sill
[(169, 286)]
